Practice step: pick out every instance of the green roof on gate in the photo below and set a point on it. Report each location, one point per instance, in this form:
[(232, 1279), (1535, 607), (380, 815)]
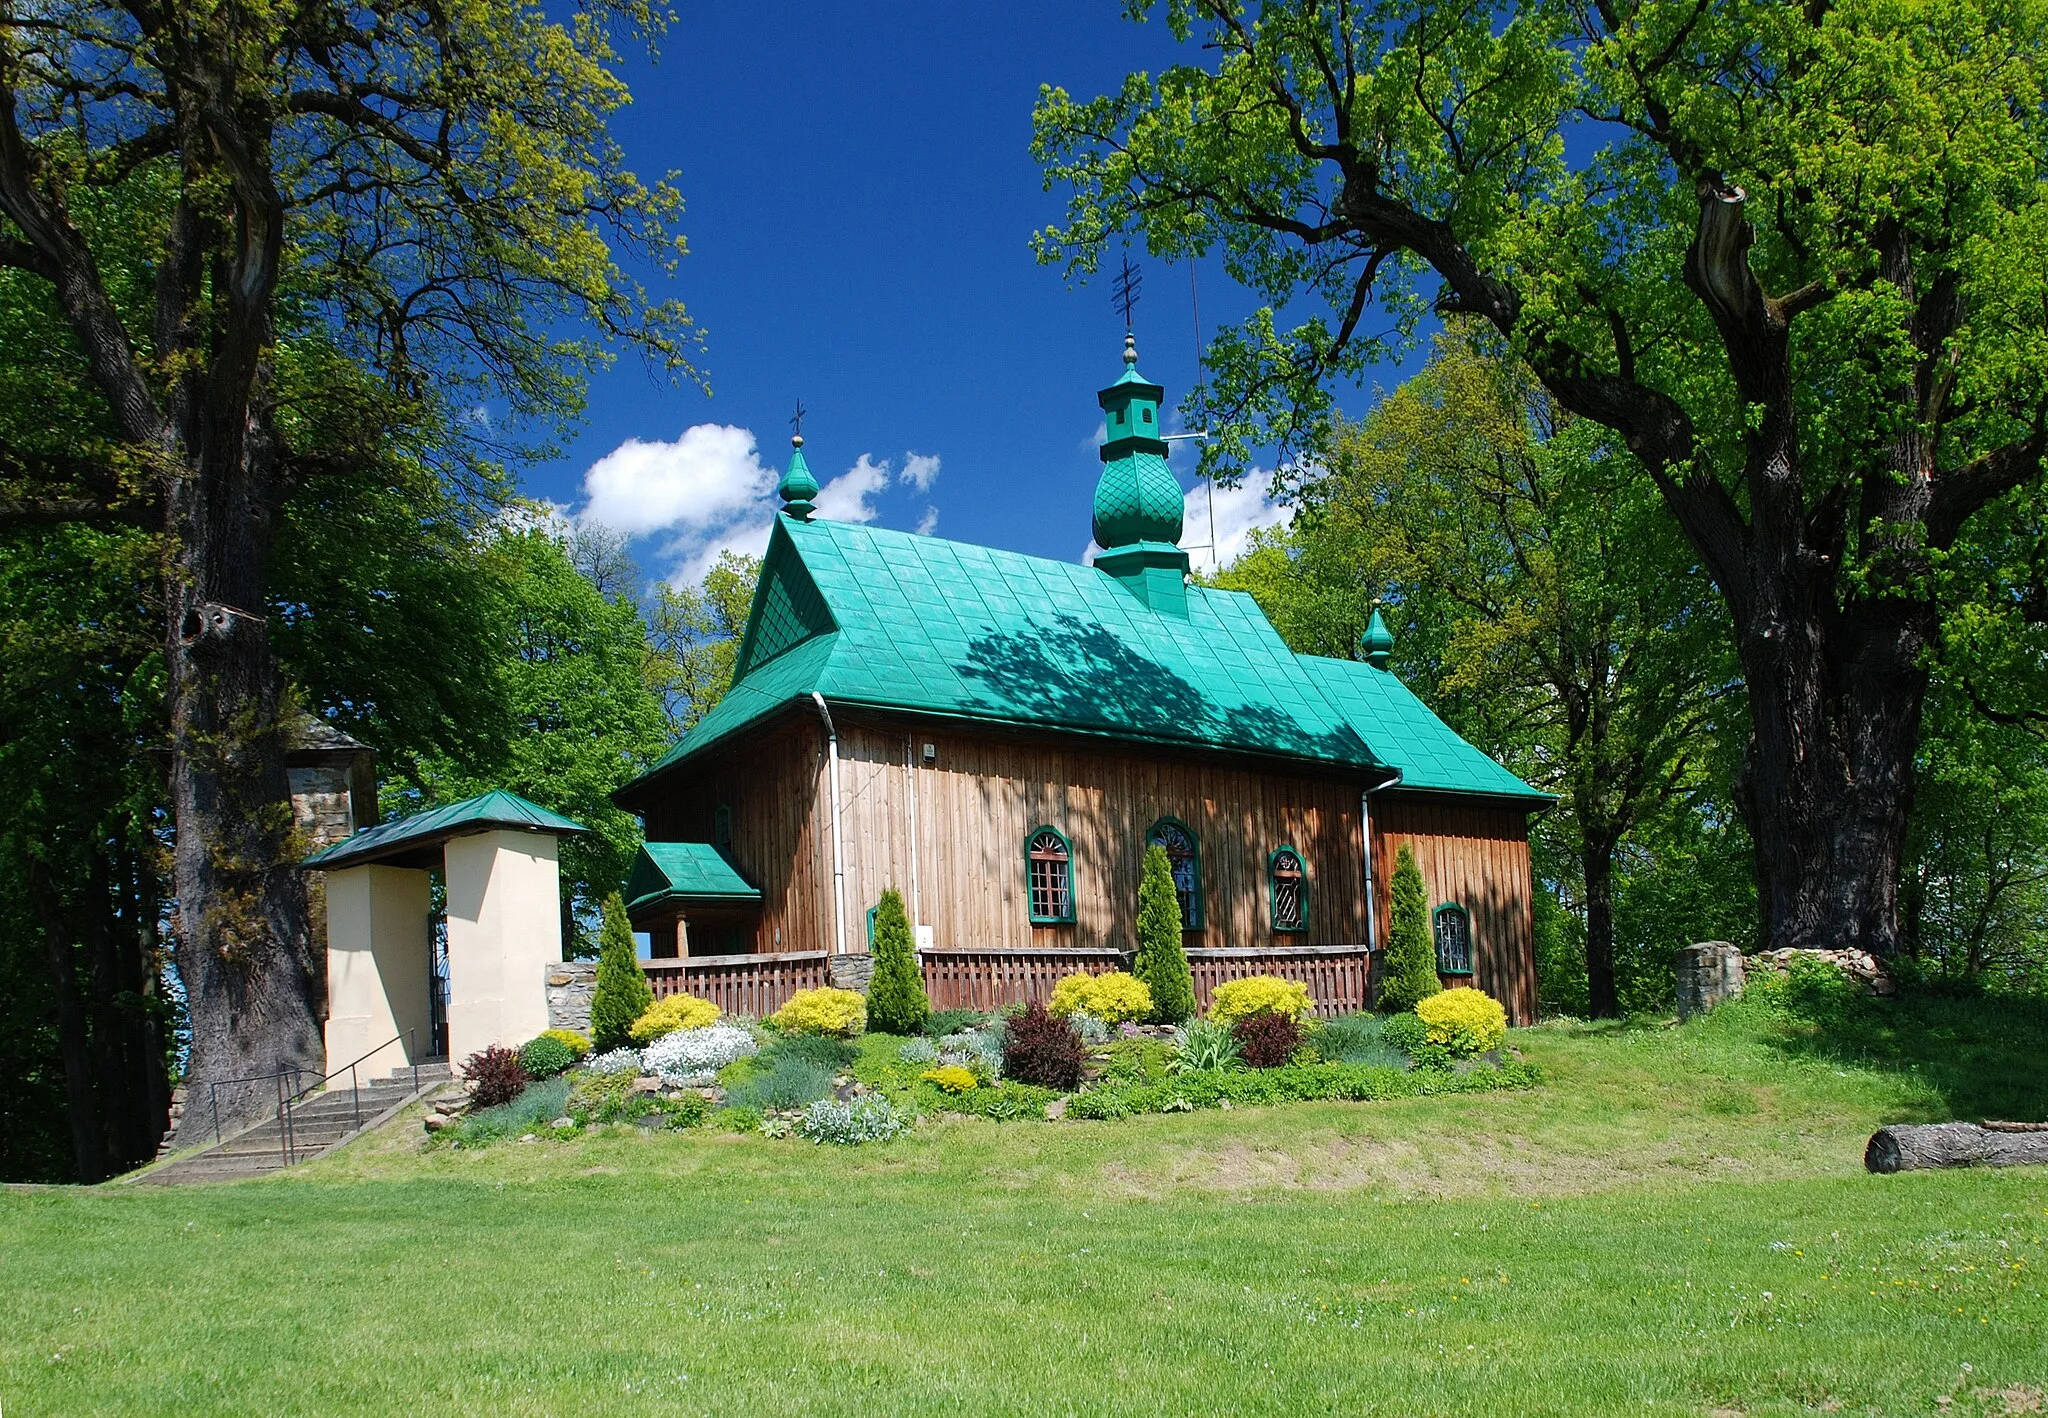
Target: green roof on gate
[(871, 617), (1387, 715), (406, 835), (684, 872)]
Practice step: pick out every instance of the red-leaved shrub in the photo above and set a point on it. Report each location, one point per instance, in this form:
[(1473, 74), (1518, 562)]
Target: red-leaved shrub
[(494, 1076), (1266, 1040), (1041, 1048)]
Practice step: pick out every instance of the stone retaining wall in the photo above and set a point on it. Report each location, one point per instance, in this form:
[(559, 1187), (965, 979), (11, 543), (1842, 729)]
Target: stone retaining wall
[(570, 984)]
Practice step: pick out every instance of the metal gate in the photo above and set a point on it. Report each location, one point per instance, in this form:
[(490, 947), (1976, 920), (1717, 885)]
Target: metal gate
[(437, 983)]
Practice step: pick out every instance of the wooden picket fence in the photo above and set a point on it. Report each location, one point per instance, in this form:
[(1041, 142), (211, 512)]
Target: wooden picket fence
[(754, 985), (1340, 978), (991, 978)]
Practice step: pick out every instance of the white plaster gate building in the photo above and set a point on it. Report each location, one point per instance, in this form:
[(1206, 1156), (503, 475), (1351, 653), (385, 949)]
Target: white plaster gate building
[(498, 857)]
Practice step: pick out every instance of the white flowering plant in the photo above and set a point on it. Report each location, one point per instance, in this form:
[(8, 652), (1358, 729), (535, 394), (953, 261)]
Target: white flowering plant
[(616, 1061), (872, 1118), (682, 1060)]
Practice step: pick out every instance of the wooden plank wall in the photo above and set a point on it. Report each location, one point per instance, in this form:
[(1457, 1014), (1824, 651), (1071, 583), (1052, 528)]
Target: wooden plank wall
[(1476, 855), (982, 797)]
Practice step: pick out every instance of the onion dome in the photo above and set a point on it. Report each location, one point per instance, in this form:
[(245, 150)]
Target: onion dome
[(1138, 499), (1377, 642), (798, 489)]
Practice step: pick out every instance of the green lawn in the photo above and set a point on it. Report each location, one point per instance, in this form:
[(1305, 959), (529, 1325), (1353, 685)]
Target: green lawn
[(1676, 1222)]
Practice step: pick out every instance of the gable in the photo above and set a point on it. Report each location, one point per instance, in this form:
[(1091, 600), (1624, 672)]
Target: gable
[(788, 608)]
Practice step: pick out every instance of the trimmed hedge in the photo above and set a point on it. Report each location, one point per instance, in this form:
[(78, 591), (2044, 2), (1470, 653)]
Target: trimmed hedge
[(1296, 1083)]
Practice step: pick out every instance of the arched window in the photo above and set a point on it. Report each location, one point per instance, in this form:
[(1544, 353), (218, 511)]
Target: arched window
[(1453, 940), (1289, 889), (1049, 875), (1185, 858), (721, 826)]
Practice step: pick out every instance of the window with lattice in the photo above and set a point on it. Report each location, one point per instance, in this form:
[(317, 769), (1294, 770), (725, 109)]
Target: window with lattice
[(1290, 890), (1453, 940), (1184, 857), (1049, 871)]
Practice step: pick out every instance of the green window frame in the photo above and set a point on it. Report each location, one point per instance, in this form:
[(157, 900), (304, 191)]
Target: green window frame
[(1184, 855), (1452, 927), (1049, 876), (1287, 890)]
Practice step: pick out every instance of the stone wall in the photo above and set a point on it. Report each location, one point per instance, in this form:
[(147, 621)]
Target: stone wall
[(1859, 965), (1708, 974), (570, 984)]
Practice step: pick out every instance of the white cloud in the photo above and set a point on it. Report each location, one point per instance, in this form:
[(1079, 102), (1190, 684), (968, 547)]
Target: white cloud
[(1239, 510), (695, 557), (920, 470), (928, 523), (847, 497), (698, 485)]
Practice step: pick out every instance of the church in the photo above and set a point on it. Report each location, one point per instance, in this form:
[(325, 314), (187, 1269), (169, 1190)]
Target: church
[(1001, 737)]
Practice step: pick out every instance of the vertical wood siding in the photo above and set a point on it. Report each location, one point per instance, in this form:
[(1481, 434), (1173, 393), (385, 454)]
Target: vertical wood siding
[(1476, 855)]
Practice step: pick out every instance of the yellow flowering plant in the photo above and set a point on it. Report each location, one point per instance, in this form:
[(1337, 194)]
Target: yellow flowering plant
[(1466, 1021), (1112, 998), (666, 1016), (823, 1011), (1259, 994), (952, 1078), (576, 1043)]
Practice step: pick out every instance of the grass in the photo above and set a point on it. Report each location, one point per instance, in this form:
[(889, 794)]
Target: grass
[(1676, 1223)]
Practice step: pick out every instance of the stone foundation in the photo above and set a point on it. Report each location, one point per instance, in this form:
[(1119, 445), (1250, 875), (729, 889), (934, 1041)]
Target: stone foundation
[(570, 984), (850, 972)]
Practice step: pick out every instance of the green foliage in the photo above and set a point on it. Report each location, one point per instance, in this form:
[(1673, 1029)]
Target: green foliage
[(953, 1021), (544, 1057), (621, 994), (951, 1079), (897, 1003), (780, 1082), (1161, 961), (1294, 1083), (1206, 1044), (1560, 956), (532, 1110), (1410, 971), (1405, 1032), (1357, 1039), (824, 1050), (694, 635)]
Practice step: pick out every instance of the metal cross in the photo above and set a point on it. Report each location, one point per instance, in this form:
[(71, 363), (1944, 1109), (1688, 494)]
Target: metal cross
[(1128, 282), (796, 420)]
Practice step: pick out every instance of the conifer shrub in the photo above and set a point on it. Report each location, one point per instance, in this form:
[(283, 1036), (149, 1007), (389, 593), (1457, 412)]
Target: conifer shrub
[(952, 1078), (1267, 1040), (621, 995), (667, 1016), (822, 1011), (1161, 962), (897, 1003), (953, 1021), (1039, 1047), (1409, 976), (495, 1076)]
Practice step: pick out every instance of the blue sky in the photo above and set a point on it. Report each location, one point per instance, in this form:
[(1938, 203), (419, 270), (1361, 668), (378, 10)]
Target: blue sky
[(861, 196)]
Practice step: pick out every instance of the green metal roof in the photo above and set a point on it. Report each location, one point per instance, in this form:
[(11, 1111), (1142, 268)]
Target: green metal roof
[(868, 616), (407, 836), (684, 872), (1405, 733)]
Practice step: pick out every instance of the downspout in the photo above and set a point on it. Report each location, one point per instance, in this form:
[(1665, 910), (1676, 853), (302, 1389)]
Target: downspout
[(838, 854), (910, 779), (1372, 913)]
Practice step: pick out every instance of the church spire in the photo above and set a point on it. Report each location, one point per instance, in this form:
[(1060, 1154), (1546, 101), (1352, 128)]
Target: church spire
[(798, 489), (1138, 500)]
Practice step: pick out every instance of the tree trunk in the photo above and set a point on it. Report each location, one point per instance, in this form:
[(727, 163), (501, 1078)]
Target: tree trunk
[(1603, 1000), (74, 1037), (252, 983), (1909, 1149), (1835, 705)]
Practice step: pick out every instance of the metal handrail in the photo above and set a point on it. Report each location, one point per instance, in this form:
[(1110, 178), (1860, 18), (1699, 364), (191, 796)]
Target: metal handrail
[(289, 1101), (289, 1097)]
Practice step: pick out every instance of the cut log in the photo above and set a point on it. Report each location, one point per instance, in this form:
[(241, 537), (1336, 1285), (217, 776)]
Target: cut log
[(1909, 1149)]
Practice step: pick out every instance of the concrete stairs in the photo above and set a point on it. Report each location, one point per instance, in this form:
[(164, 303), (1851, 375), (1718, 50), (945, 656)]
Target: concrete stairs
[(319, 1124)]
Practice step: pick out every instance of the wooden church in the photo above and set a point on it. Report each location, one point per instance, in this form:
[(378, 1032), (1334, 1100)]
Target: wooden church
[(1000, 737)]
